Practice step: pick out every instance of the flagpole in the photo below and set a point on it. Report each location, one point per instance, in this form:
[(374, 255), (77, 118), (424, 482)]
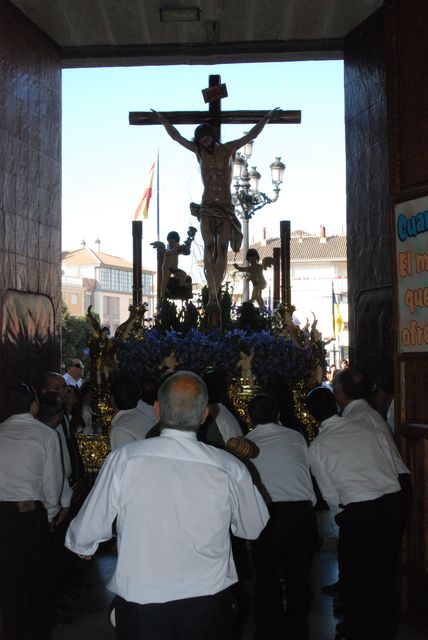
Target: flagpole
[(333, 322), (157, 198), (137, 237)]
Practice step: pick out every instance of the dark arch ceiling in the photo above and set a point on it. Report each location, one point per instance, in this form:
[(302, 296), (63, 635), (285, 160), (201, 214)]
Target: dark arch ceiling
[(129, 32)]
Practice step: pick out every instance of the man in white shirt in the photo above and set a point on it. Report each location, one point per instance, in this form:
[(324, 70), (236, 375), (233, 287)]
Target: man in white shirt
[(30, 488), (350, 388), (73, 465), (132, 420), (286, 546), (175, 500), (74, 371), (355, 471), (51, 413)]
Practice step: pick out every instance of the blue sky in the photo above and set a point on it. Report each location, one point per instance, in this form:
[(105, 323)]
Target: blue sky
[(105, 160)]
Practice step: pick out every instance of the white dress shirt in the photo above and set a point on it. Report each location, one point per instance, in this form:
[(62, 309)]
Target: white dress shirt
[(30, 462), (175, 500), (351, 462), (283, 463), (227, 424), (72, 382), (148, 414), (129, 425), (390, 417), (361, 410)]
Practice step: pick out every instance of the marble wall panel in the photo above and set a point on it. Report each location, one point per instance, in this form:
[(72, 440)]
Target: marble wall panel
[(368, 211), (30, 175)]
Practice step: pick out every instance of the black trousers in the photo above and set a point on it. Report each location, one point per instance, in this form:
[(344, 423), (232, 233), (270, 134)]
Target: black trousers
[(202, 618), (24, 592), (285, 549), (370, 542)]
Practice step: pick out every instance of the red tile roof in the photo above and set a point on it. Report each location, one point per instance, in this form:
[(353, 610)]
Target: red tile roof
[(303, 248), (88, 257)]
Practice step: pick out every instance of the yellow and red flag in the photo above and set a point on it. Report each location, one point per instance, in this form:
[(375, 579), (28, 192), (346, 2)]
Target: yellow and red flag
[(142, 211)]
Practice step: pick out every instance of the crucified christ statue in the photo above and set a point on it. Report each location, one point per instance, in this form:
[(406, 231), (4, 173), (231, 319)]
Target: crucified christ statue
[(216, 214)]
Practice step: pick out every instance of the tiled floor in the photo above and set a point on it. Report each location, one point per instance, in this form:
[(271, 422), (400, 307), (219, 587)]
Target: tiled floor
[(91, 603)]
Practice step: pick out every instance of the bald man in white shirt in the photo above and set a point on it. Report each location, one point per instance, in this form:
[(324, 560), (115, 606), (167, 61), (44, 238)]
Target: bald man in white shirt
[(176, 501)]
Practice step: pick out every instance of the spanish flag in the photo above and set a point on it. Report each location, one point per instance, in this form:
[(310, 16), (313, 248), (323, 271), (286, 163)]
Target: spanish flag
[(142, 210), (337, 318)]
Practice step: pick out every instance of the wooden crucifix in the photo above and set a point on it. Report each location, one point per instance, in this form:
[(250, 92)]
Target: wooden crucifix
[(216, 214), (214, 116)]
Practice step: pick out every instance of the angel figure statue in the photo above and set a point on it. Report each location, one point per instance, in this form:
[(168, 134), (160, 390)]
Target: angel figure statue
[(255, 274), (175, 280), (103, 346), (246, 357)]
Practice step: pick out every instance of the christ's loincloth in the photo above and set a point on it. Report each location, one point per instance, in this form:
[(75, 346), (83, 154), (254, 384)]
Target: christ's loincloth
[(217, 214)]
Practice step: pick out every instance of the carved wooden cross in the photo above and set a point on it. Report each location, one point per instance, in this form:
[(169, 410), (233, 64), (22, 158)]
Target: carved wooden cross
[(215, 116)]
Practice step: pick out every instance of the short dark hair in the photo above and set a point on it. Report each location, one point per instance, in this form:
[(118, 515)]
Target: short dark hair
[(263, 408), (215, 380), (125, 390), (20, 398), (321, 404), (385, 383), (149, 389), (173, 235), (48, 377), (252, 253), (353, 382)]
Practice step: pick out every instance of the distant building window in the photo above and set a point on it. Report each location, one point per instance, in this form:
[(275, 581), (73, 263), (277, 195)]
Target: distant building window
[(147, 283), (74, 298), (116, 280), (111, 311)]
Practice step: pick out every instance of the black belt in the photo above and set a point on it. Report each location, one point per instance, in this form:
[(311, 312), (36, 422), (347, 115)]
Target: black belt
[(22, 506)]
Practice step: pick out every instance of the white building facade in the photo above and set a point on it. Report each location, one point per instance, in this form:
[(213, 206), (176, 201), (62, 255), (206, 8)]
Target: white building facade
[(105, 282)]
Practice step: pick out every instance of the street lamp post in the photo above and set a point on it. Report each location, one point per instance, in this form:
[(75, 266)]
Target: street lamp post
[(247, 198)]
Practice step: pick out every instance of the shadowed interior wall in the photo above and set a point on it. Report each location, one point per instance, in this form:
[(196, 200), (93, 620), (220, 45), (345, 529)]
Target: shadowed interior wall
[(30, 199), (368, 205), (407, 56)]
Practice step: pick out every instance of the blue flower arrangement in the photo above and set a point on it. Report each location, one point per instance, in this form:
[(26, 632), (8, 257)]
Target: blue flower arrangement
[(274, 355)]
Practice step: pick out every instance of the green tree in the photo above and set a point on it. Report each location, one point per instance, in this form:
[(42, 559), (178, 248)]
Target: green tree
[(74, 336)]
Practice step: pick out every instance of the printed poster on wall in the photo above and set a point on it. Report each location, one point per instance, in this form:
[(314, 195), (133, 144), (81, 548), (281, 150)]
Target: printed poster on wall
[(411, 229)]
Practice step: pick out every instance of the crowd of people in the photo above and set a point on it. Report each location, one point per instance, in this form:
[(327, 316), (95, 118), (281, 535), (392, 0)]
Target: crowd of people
[(200, 506)]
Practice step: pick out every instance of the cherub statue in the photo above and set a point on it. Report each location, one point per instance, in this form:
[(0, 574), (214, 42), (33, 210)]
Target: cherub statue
[(246, 356), (171, 253), (169, 363), (255, 274)]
